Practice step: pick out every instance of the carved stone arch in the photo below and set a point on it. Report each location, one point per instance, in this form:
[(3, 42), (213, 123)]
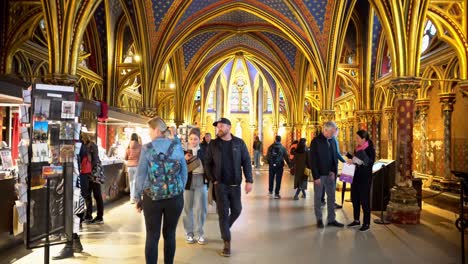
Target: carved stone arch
[(449, 32), (430, 76)]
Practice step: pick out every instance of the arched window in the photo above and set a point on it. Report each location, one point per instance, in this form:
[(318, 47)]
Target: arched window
[(240, 101), (429, 33)]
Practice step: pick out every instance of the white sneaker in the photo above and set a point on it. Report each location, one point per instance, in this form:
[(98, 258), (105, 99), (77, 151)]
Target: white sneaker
[(201, 240), (189, 239)]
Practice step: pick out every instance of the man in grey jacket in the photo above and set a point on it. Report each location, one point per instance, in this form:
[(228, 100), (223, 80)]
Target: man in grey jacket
[(225, 159)]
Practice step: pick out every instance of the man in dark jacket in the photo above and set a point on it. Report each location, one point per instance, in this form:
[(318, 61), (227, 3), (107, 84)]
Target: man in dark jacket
[(224, 158), (276, 156), (324, 166)]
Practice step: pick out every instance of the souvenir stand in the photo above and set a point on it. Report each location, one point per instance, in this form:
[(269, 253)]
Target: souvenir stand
[(11, 97), (113, 137), (48, 165)]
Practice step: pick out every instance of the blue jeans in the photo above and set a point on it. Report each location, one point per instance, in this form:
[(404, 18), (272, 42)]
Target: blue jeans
[(257, 155), (330, 186), (167, 213), (275, 173), (131, 180), (195, 210), (228, 203)]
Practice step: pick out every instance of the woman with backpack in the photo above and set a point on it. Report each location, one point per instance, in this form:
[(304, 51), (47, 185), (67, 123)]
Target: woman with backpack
[(159, 186), (196, 193), (300, 163)]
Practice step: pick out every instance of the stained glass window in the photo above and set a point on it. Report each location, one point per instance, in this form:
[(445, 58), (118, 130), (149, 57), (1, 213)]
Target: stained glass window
[(429, 33)]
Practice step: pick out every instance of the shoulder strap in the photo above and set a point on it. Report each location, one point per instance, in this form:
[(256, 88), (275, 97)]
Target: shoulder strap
[(171, 148)]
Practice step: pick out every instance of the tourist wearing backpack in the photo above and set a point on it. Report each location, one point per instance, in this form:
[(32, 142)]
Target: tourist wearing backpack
[(276, 156), (159, 186), (196, 193), (226, 158)]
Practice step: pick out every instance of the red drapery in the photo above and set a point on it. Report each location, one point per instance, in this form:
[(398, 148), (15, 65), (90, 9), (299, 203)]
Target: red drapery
[(15, 137), (102, 133)]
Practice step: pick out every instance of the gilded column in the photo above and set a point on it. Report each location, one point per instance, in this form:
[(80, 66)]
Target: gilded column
[(422, 106), (405, 90), (369, 123), (351, 134), (344, 127), (377, 119), (390, 115), (260, 110), (447, 100)]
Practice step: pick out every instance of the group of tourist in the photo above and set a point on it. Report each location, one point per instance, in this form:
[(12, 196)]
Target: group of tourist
[(165, 179)]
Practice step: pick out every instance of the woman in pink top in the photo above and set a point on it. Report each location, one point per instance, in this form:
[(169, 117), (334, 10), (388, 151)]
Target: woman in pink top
[(131, 156)]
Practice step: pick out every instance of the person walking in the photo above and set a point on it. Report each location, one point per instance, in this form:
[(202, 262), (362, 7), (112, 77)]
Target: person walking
[(206, 139), (257, 147), (276, 156), (90, 152), (226, 158), (132, 156), (363, 158), (196, 193), (324, 166), (300, 163), (160, 180)]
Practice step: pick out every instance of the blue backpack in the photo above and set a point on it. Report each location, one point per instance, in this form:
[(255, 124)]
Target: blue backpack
[(163, 174)]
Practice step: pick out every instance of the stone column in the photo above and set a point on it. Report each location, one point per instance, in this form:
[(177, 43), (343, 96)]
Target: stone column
[(447, 100), (377, 119), (351, 134), (260, 111), (369, 124), (403, 207), (343, 134), (389, 113), (405, 90), (422, 106), (219, 101)]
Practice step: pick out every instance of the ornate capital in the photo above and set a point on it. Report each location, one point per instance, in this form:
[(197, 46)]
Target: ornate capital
[(447, 100), (61, 79), (327, 115), (463, 88), (377, 115), (361, 116), (405, 87), (389, 112), (149, 112), (422, 105)]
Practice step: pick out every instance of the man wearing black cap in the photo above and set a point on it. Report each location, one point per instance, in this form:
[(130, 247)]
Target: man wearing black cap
[(225, 159), (276, 155)]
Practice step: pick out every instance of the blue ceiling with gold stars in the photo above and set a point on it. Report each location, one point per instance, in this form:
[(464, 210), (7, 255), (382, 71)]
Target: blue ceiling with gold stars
[(318, 10), (191, 47), (288, 49), (160, 8), (237, 17)]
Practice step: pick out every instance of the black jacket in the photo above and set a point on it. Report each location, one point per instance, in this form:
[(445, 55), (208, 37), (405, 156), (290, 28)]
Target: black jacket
[(240, 154), (284, 156), (363, 173), (320, 163), (200, 155)]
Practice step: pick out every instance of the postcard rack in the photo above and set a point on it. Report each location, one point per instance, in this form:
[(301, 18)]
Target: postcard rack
[(49, 119)]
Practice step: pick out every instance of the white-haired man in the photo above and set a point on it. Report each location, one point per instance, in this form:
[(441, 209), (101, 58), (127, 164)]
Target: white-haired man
[(324, 166)]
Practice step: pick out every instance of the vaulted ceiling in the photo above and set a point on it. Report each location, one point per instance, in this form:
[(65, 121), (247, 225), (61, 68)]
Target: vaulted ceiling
[(282, 35)]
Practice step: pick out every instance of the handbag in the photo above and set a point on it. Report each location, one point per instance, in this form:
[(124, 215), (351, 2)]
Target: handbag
[(347, 173), (98, 173)]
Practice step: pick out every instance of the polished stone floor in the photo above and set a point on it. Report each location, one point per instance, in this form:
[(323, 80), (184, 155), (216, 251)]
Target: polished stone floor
[(270, 231)]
